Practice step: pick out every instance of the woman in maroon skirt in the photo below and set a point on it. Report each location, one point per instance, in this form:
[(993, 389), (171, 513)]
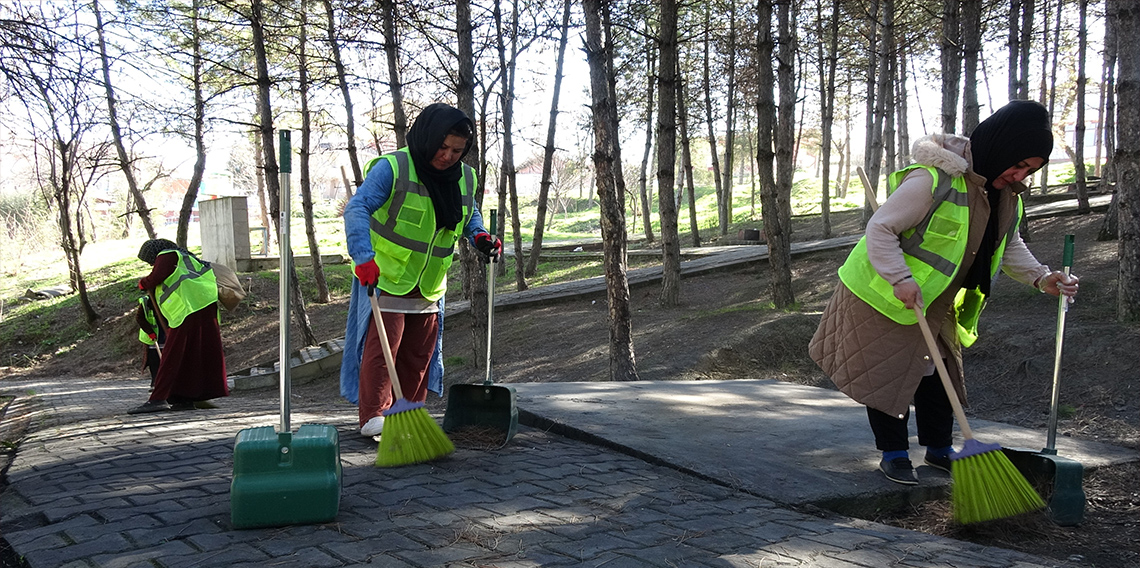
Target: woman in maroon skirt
[(193, 367)]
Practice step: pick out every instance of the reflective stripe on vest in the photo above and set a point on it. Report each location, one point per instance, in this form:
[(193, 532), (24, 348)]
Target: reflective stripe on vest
[(409, 250), (191, 287), (933, 250), (944, 191)]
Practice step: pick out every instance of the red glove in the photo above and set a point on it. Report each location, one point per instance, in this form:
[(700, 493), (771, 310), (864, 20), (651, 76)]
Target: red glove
[(489, 245), (141, 287), (368, 273)]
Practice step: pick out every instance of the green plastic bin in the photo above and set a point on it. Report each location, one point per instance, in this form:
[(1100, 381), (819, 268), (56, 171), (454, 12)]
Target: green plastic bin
[(287, 478)]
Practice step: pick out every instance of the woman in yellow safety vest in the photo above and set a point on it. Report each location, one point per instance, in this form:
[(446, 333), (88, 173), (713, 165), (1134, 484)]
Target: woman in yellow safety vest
[(402, 226), (949, 224), (192, 368)]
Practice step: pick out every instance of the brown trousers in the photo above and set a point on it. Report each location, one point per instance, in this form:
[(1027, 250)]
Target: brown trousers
[(412, 340)]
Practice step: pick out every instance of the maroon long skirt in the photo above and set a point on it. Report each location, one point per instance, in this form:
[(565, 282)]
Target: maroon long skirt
[(193, 364)]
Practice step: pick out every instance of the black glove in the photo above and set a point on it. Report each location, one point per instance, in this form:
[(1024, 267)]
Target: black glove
[(488, 245)]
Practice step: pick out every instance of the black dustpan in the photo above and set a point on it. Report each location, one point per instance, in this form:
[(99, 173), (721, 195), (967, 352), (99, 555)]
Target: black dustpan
[(487, 405)]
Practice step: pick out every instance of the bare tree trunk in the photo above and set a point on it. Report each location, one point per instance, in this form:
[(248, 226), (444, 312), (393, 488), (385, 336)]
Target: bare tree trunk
[(686, 152), (1110, 226), (474, 271), (1043, 88), (71, 223), (751, 167), (395, 84), (667, 153), (64, 185), (342, 79), (1023, 46), (265, 110), (951, 64), (766, 129), (1128, 162), (623, 366), (1014, 45), (845, 170), (873, 56), (306, 155), (1108, 131), (903, 104), (1052, 87), (971, 48), (199, 132), (827, 65), (729, 120), (650, 87), (548, 154), (1082, 84), (710, 120), (611, 77), (259, 166), (875, 160), (508, 106), (890, 103), (125, 164), (779, 243)]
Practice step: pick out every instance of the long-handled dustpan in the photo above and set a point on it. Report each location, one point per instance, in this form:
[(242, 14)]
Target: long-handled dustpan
[(1060, 480), (283, 477), (485, 405)]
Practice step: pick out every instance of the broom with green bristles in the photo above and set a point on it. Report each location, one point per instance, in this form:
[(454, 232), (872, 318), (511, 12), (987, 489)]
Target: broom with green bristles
[(987, 485), (410, 435)]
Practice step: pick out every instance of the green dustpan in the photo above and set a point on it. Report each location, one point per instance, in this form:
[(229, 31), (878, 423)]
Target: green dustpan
[(485, 405), (1059, 480)]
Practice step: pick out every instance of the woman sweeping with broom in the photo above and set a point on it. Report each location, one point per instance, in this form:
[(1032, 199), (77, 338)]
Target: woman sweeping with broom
[(402, 226), (949, 223)]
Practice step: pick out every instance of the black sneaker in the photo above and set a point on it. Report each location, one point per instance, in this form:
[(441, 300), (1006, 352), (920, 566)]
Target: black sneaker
[(899, 470), (150, 406), (937, 462), (182, 406)]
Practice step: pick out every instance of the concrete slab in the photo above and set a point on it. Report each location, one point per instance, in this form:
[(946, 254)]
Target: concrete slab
[(789, 443)]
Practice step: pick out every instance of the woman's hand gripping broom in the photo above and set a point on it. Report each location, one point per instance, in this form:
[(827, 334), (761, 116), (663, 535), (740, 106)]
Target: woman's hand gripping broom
[(410, 435), (987, 486)]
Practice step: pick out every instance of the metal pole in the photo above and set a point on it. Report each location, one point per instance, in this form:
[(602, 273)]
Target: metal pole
[(1062, 307), (491, 268), (286, 154)]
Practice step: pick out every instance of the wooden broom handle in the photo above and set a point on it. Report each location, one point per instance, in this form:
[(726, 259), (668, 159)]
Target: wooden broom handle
[(395, 380), (942, 374)]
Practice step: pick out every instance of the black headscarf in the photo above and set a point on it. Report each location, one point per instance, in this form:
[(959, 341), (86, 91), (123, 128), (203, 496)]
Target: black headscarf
[(1015, 132), (425, 137)]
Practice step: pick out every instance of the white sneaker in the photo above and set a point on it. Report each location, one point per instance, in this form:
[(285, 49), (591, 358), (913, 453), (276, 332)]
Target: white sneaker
[(373, 427)]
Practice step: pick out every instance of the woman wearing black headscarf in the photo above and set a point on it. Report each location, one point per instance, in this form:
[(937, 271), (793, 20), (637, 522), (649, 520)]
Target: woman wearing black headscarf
[(949, 223), (192, 367), (402, 226)]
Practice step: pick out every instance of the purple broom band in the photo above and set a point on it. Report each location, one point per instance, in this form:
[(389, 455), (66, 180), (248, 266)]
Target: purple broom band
[(972, 448)]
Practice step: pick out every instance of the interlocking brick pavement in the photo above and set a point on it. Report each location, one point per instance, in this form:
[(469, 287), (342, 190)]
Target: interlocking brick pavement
[(93, 486)]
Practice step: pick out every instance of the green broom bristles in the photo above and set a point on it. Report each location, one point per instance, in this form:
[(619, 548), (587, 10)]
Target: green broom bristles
[(987, 485), (410, 436)]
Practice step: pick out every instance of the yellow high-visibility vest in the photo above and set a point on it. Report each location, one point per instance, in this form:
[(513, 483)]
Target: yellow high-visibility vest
[(410, 251)]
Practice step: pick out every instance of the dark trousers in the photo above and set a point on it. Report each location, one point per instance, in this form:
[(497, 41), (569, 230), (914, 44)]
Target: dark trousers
[(932, 414)]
